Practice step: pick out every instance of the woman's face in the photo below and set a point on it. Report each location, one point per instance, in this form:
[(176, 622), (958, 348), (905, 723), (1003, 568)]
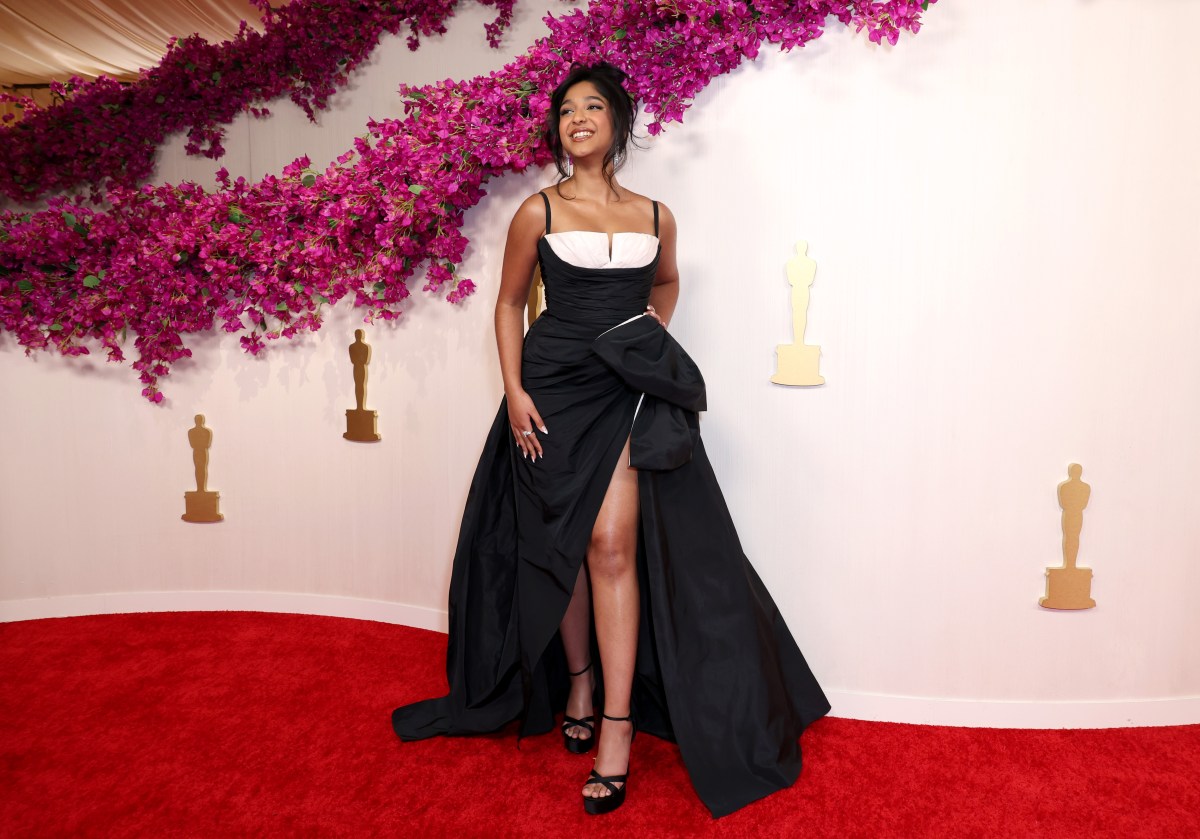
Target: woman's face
[(585, 121)]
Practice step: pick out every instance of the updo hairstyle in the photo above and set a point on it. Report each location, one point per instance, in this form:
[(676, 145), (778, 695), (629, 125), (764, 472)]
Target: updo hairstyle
[(610, 83)]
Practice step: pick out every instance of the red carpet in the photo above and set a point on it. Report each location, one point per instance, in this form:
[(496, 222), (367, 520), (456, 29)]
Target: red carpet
[(239, 724)]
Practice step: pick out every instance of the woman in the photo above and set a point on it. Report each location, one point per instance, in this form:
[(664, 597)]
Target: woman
[(594, 504)]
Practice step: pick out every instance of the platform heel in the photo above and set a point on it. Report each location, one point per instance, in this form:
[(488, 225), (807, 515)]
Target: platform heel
[(600, 806)]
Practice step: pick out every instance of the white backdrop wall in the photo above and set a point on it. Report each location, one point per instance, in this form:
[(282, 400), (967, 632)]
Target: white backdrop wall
[(1004, 211)]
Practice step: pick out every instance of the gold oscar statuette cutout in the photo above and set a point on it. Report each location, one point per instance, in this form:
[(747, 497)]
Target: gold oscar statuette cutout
[(202, 506), (1070, 587), (361, 424), (536, 303), (798, 363)]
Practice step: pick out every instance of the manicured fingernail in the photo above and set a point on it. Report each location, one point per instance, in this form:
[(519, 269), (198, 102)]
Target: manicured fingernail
[(543, 429), (524, 454)]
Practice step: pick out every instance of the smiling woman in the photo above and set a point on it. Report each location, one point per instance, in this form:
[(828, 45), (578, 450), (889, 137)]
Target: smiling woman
[(584, 120), (611, 516)]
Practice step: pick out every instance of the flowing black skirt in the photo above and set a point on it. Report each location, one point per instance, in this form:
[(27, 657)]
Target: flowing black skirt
[(718, 672)]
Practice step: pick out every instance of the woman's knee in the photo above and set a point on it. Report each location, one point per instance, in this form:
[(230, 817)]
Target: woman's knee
[(609, 556)]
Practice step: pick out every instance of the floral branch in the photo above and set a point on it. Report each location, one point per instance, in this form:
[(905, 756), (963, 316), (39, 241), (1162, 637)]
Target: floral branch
[(105, 133), (263, 259)]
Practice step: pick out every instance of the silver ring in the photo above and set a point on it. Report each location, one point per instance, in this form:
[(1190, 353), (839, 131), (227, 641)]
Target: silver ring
[(526, 433)]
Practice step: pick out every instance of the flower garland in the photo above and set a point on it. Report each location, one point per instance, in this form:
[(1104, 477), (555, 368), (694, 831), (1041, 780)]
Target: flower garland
[(262, 259), (106, 133)]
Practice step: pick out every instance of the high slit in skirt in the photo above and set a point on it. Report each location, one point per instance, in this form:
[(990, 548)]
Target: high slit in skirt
[(717, 670)]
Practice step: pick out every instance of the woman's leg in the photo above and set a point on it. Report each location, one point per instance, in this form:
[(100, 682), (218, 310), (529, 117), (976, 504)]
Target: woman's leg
[(575, 631), (612, 563)]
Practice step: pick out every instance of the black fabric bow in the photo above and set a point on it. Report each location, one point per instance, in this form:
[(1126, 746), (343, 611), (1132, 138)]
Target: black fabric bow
[(649, 359)]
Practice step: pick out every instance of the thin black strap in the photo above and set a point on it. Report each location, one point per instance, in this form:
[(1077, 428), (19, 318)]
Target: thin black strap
[(655, 203), (618, 719), (547, 200), (581, 672)]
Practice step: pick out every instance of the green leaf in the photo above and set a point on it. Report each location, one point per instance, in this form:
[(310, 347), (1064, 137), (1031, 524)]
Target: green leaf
[(91, 281), (322, 298), (24, 285), (69, 219), (204, 292), (80, 229), (281, 306), (236, 216), (415, 94), (381, 286), (216, 75), (298, 287), (619, 35), (256, 236), (189, 67), (416, 189), (160, 99), (56, 327), (308, 180)]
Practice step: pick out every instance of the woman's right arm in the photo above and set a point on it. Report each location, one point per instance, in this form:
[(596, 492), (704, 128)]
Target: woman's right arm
[(520, 256)]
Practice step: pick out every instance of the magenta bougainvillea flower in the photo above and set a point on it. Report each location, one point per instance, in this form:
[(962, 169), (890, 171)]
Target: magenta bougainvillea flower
[(104, 133), (264, 259)]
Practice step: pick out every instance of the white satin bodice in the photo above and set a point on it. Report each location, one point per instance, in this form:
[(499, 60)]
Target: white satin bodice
[(589, 248)]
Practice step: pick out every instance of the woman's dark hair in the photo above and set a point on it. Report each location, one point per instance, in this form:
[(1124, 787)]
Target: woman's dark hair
[(610, 82)]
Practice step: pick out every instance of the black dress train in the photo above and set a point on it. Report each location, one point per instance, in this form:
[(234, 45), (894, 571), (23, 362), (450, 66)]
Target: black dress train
[(717, 669)]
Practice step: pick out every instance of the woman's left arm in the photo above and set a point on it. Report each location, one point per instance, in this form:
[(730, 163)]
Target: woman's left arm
[(666, 282)]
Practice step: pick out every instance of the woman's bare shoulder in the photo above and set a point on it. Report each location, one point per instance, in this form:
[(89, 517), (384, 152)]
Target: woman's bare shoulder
[(531, 213), (645, 200), (666, 219), (535, 203), (635, 198)]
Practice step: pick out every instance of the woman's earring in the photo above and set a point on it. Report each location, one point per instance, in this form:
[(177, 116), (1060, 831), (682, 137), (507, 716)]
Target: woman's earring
[(570, 166), (618, 158)]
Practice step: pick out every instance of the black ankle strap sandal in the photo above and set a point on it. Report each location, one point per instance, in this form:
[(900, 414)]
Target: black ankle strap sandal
[(600, 806), (579, 745)]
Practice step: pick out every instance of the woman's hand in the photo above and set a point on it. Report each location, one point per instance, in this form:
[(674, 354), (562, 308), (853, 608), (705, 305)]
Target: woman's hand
[(650, 311), (523, 418)]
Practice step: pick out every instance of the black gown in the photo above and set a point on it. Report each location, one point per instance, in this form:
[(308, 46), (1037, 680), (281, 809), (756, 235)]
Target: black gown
[(717, 670)]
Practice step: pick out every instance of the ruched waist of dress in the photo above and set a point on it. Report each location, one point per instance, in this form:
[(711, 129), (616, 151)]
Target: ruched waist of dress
[(599, 321)]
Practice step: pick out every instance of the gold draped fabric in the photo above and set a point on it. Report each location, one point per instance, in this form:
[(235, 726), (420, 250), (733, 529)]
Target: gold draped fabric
[(51, 40)]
